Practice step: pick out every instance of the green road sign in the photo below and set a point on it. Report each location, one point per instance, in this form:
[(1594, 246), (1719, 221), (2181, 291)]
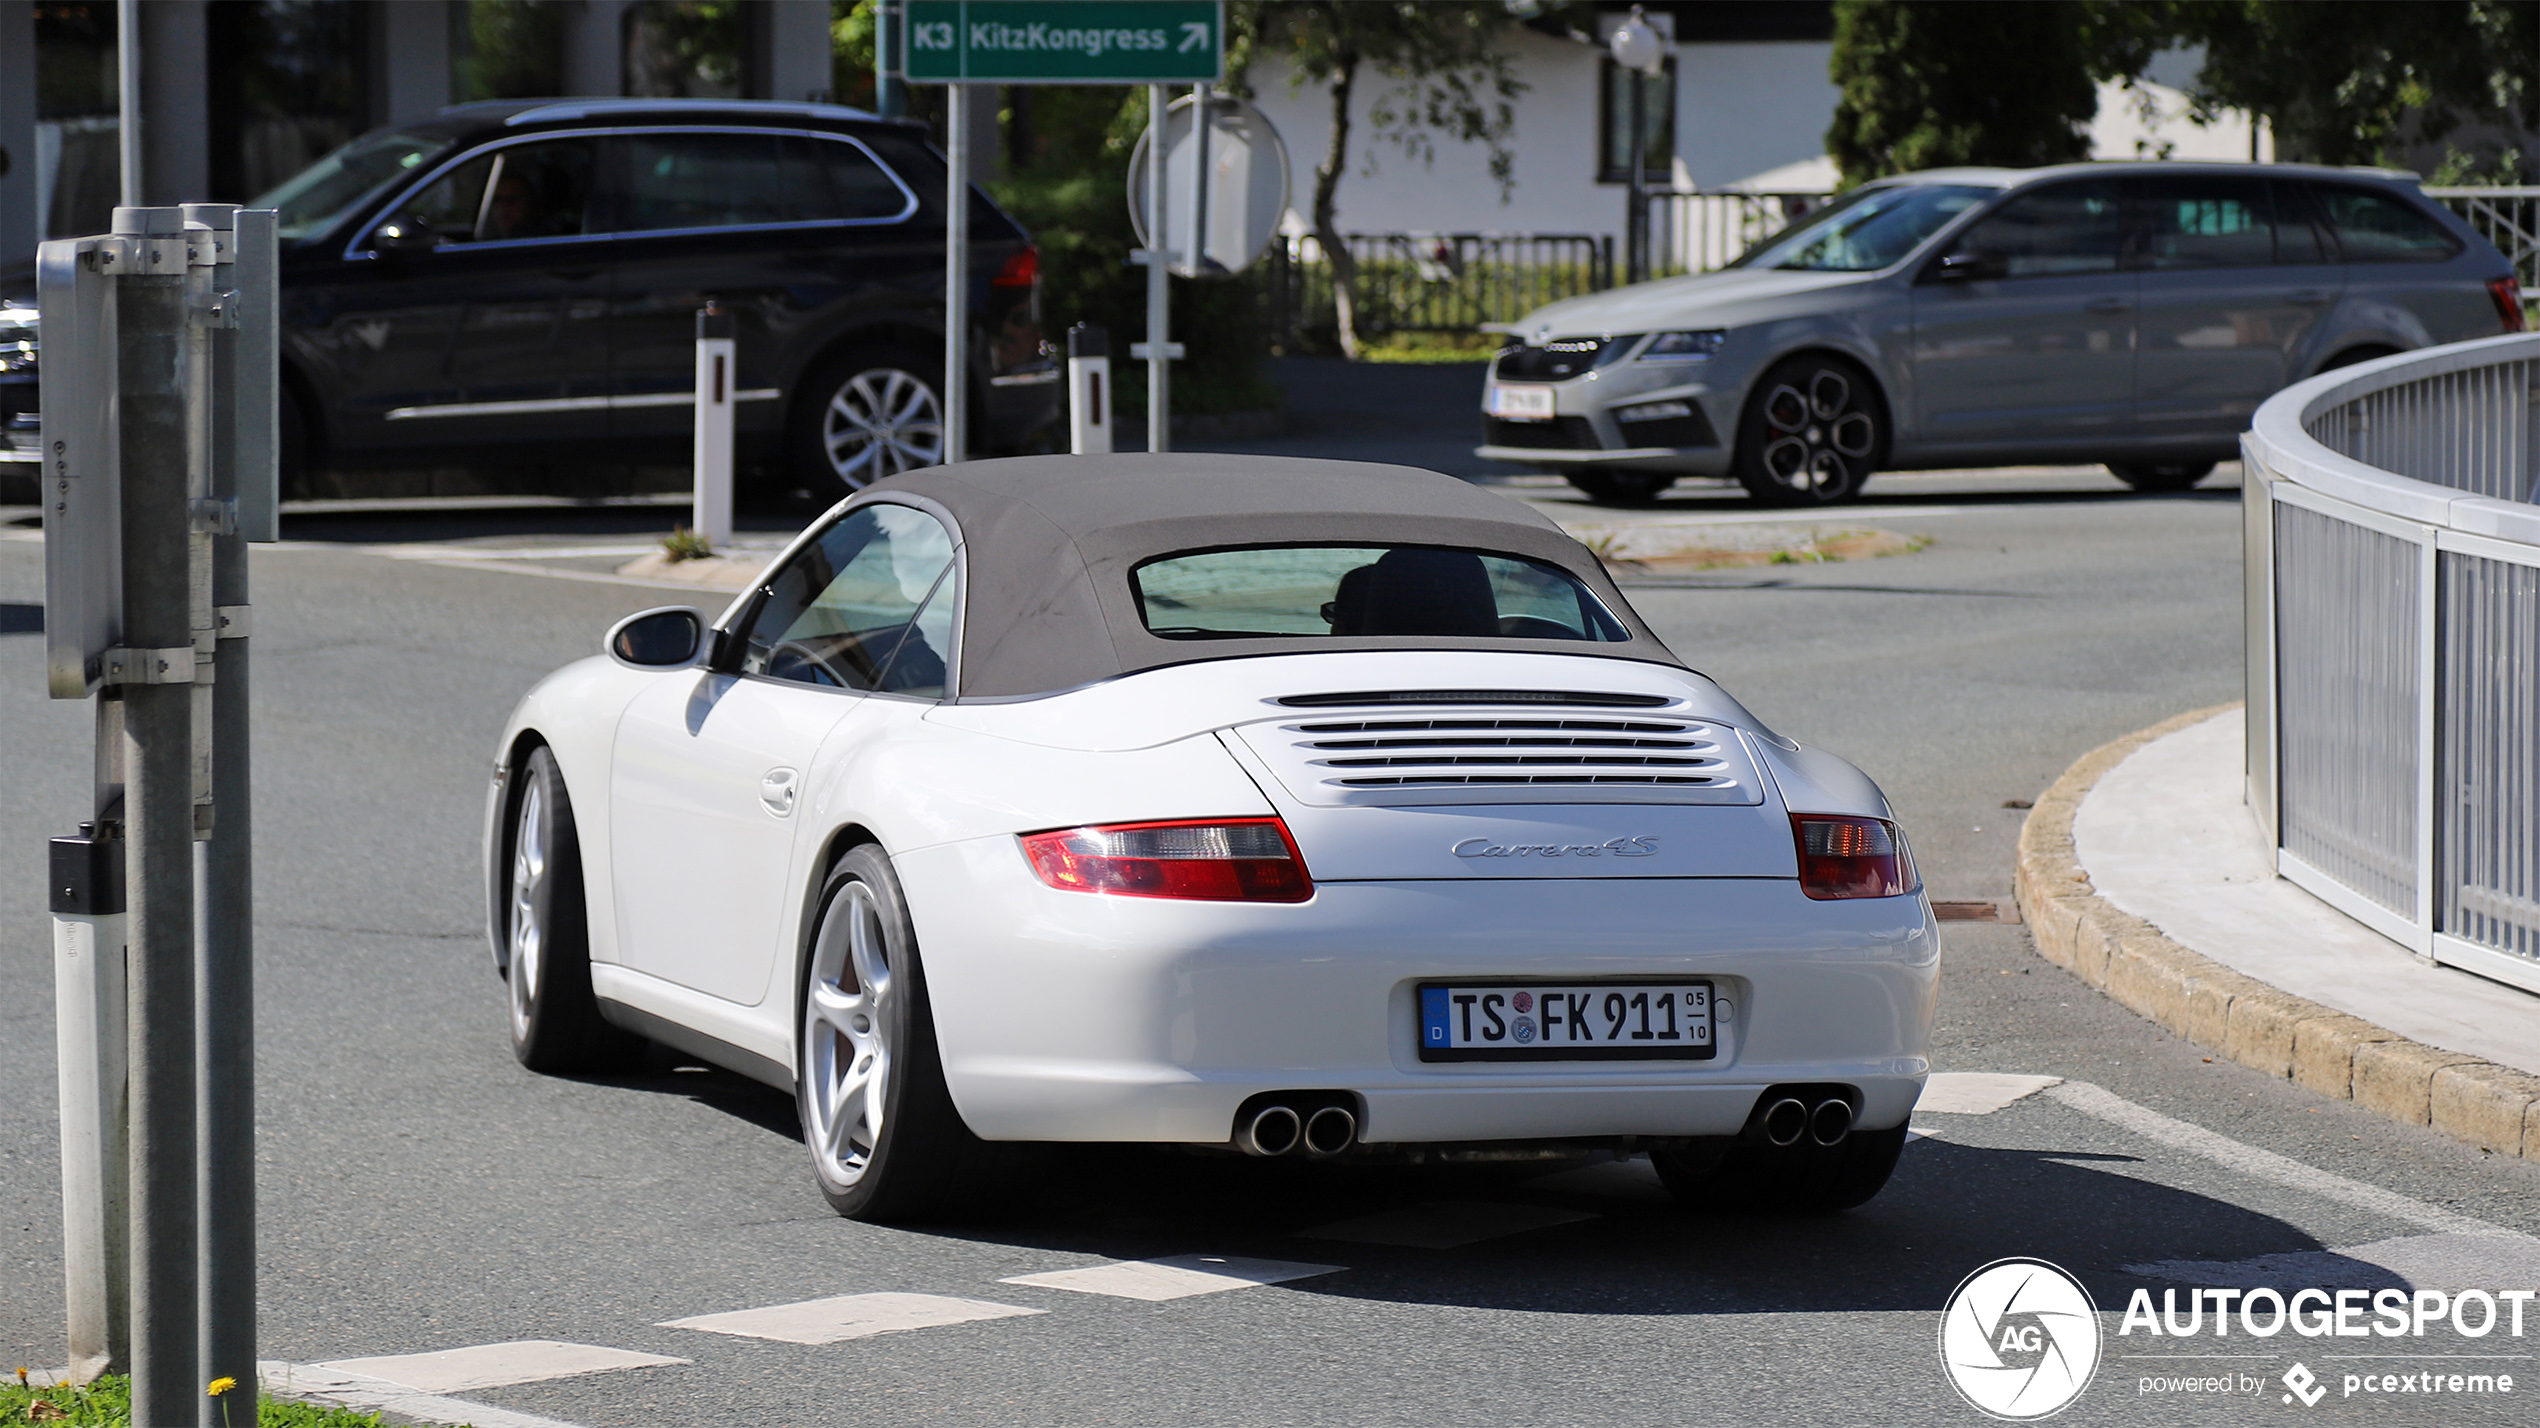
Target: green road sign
[(1065, 41)]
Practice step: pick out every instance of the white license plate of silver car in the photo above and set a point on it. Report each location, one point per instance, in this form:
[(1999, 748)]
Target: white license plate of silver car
[(1520, 403), (1668, 1020)]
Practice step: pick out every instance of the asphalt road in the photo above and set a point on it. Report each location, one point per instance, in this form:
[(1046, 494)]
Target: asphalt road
[(422, 1192)]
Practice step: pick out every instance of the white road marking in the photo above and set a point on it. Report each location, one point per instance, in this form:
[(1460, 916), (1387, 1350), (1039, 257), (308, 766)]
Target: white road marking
[(1174, 1277), (1443, 1224), (849, 1316), (504, 552), (1977, 1093), (313, 1383), (493, 1365), (2259, 1164), (2446, 1262)]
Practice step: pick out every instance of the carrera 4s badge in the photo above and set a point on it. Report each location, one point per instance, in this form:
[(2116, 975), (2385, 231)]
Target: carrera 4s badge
[(1614, 847)]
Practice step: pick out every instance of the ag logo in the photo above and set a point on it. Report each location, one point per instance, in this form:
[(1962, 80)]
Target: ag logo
[(2019, 1339)]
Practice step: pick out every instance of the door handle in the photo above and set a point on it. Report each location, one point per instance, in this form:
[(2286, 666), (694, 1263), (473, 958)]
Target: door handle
[(2312, 297), (2106, 304)]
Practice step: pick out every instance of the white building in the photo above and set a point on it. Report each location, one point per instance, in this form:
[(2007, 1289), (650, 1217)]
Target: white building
[(1751, 105)]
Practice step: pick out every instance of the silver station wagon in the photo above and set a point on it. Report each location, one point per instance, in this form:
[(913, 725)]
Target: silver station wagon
[(2133, 314)]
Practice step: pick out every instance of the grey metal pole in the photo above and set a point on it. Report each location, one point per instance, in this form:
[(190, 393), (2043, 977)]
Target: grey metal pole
[(1199, 178), (1159, 298), (890, 91), (158, 743), (224, 907), (1636, 222), (128, 97), (956, 274)]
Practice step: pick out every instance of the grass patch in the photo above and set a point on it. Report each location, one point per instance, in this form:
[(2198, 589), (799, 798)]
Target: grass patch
[(684, 544), (107, 1403), (1433, 347)]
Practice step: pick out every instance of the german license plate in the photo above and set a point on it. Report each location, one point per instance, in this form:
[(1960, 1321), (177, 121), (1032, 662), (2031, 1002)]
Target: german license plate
[(1520, 403), (1597, 1021)]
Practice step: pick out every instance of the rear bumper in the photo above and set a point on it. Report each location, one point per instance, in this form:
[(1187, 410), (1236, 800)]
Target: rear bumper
[(1065, 1016)]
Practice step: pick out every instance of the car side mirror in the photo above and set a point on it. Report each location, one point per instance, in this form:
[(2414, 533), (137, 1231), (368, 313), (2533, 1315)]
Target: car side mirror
[(667, 638), (1974, 266), (404, 234)]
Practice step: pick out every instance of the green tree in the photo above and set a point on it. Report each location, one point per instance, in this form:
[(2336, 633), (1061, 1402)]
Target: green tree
[(2345, 83), (1932, 83), (1448, 75)]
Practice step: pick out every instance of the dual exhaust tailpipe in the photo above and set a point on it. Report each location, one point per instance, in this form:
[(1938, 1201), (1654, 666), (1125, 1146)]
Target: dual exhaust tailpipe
[(1790, 1117), (1280, 1126)]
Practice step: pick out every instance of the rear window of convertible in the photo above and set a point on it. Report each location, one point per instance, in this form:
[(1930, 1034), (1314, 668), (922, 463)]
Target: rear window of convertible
[(1397, 590)]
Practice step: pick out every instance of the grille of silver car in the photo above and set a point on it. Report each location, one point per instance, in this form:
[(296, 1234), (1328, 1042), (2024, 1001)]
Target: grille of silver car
[(1492, 757)]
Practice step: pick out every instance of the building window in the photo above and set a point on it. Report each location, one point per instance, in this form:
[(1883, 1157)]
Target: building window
[(289, 84), (505, 49), (1658, 134)]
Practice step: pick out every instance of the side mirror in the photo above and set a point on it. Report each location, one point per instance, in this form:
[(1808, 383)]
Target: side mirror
[(667, 638), (402, 235), (1975, 266)]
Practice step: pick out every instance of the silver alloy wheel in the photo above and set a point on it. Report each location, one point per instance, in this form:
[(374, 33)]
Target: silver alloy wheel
[(847, 1008), (881, 422), (1820, 440), (529, 930)]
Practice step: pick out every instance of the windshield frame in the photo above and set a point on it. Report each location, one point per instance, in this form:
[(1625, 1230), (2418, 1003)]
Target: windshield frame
[(1988, 196), (425, 150)]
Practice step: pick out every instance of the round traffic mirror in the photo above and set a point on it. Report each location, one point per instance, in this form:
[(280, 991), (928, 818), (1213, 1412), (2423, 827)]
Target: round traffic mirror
[(1243, 201)]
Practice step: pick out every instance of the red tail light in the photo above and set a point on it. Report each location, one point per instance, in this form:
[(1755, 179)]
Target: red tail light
[(1020, 271), (1851, 857), (1215, 860), (2508, 296)]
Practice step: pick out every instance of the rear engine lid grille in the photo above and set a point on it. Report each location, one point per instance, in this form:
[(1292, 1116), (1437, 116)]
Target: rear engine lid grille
[(1478, 756)]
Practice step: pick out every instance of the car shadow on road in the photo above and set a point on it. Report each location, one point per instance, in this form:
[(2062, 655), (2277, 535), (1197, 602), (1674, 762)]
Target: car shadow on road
[(1602, 1237)]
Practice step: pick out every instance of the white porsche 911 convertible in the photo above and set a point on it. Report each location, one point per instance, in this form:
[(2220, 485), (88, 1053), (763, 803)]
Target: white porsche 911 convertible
[(1291, 807)]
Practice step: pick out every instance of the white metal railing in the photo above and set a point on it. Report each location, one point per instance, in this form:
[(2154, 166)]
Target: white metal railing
[(2509, 217), (2393, 587)]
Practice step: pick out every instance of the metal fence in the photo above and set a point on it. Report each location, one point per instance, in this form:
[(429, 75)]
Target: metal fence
[(2394, 647), (2510, 217), (1700, 232), (1431, 282)]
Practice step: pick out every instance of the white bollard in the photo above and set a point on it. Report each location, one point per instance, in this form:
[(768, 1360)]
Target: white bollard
[(88, 1007), (1088, 390), (715, 375)]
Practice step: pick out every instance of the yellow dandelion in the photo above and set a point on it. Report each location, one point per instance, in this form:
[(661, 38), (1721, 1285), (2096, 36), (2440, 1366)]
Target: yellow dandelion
[(222, 1385)]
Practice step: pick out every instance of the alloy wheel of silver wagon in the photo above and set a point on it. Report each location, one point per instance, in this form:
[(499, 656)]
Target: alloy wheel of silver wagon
[(847, 1051), (528, 922), (880, 422), (1819, 435)]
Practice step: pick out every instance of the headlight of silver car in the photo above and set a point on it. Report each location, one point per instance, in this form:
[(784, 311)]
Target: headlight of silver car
[(17, 338), (1684, 346)]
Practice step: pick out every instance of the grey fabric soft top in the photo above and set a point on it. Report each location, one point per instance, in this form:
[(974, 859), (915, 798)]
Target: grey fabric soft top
[(1049, 542)]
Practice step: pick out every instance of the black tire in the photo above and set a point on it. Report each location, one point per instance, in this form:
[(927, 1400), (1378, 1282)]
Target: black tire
[(555, 1021), (2353, 355), (864, 414), (1608, 487), (2161, 475), (1804, 1179), (1813, 430), (922, 1162)]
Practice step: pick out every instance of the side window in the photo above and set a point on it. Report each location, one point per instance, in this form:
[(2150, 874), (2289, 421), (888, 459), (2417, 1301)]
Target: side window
[(2063, 231), (857, 186), (2299, 235), (2377, 227), (713, 181), (452, 202), (2197, 222), (867, 605), (523, 191)]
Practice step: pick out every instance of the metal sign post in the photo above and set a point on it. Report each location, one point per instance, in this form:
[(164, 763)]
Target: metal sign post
[(957, 42), (158, 445)]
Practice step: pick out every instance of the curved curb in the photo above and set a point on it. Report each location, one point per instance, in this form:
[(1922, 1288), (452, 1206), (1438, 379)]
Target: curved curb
[(2262, 1027)]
